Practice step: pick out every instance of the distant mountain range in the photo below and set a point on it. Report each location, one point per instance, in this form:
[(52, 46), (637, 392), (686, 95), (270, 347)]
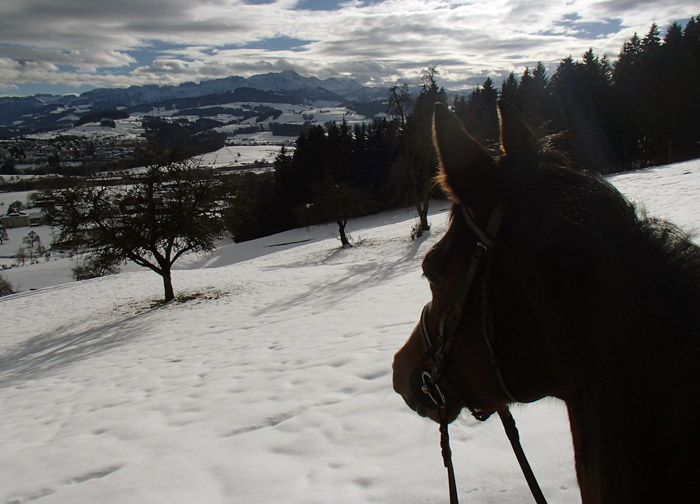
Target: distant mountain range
[(46, 112)]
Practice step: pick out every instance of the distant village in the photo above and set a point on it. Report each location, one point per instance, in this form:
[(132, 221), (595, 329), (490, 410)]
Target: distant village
[(23, 218), (63, 155)]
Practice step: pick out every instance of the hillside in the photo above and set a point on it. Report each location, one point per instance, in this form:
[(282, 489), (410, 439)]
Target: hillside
[(42, 113), (107, 129), (271, 384)]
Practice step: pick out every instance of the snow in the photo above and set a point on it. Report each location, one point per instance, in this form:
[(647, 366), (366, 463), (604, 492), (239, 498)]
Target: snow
[(125, 129), (7, 198), (240, 155), (271, 384)]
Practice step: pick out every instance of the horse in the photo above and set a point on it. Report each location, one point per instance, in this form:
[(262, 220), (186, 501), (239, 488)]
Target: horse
[(548, 282)]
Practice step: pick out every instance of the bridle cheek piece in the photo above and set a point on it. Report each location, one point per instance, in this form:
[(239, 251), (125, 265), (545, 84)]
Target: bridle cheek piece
[(425, 380), (438, 349)]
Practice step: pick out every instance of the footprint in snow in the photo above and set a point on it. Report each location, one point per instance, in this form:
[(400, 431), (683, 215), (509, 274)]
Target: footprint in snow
[(43, 492)]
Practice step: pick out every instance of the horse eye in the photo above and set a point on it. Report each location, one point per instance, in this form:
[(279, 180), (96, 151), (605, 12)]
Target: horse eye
[(432, 279)]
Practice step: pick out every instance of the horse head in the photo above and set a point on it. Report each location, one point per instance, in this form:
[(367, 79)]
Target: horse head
[(484, 324)]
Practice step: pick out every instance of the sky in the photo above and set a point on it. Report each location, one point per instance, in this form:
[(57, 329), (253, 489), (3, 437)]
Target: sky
[(71, 46)]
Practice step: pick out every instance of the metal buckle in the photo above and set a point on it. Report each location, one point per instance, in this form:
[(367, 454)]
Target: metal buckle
[(432, 389)]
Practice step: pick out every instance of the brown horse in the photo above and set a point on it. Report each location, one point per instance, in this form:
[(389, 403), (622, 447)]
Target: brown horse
[(548, 283)]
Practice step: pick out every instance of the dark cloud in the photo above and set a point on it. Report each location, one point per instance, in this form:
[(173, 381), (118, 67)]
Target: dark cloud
[(278, 44)]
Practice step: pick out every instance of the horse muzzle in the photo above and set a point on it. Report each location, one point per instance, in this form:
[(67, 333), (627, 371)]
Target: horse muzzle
[(414, 383)]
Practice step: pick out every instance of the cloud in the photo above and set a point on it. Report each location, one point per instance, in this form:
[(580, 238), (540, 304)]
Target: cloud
[(278, 44), (83, 42), (88, 60)]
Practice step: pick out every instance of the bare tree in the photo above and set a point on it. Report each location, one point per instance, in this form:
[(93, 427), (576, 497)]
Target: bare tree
[(21, 256), (399, 101), (33, 244), (413, 173), (152, 220), (335, 202)]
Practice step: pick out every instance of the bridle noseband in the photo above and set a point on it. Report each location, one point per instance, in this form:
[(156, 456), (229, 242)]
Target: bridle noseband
[(425, 381)]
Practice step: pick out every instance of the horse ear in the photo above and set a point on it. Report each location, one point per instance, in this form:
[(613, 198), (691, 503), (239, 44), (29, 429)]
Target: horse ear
[(517, 138), (466, 169)]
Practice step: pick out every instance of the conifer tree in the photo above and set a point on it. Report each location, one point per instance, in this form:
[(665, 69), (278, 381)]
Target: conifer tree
[(535, 103), (509, 89), (480, 116)]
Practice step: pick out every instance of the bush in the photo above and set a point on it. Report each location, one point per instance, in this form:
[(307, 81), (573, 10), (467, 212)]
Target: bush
[(416, 230), (5, 287), (91, 267)]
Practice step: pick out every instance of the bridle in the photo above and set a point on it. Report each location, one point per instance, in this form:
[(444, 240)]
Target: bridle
[(425, 380), (438, 349)]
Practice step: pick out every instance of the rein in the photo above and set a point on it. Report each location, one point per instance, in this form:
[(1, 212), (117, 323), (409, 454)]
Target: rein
[(427, 380)]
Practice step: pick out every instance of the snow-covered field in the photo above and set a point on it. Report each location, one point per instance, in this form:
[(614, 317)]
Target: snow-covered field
[(271, 385), (240, 155), (125, 129), (131, 128)]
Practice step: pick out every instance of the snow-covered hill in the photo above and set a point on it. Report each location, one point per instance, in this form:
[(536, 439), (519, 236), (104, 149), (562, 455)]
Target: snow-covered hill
[(271, 384), (235, 128), (43, 113)]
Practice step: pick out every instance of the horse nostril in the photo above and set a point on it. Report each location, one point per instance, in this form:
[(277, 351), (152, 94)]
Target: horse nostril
[(422, 412)]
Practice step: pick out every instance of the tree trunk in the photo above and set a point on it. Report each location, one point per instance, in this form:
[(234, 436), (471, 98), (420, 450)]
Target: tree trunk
[(341, 230), (422, 208), (168, 285), (422, 202)]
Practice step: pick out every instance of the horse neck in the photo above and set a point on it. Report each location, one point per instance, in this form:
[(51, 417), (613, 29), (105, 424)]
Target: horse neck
[(633, 354)]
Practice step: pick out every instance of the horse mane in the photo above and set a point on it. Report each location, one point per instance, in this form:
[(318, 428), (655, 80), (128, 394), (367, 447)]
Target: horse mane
[(587, 230), (673, 261)]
